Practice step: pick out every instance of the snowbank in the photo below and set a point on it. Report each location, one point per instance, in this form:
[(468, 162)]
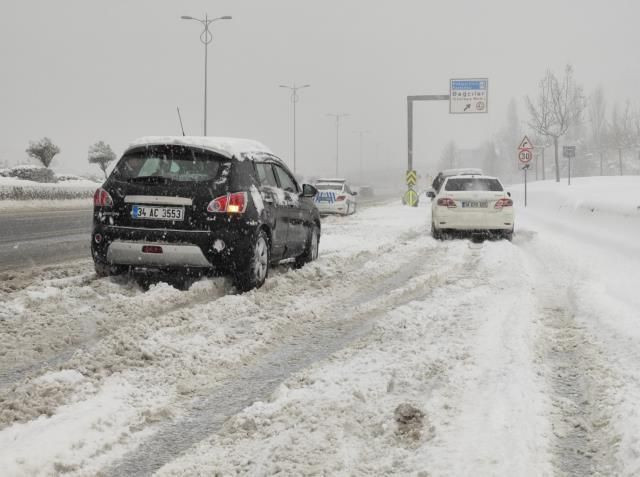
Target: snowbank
[(19, 193)]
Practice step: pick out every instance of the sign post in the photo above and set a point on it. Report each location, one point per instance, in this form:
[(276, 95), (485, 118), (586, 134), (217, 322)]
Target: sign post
[(525, 154), (569, 152), (466, 96)]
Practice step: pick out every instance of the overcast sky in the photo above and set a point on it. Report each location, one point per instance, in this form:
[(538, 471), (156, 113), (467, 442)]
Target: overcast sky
[(79, 71)]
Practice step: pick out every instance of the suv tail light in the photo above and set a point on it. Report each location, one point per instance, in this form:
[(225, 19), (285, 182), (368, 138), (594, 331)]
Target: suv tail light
[(447, 202), (235, 203), (504, 203), (101, 198), (341, 197)]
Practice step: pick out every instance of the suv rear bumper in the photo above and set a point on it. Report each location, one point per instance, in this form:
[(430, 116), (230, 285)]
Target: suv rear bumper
[(164, 255), (215, 249)]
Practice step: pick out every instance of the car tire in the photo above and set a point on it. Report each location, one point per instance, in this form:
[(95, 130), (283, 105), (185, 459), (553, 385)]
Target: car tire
[(311, 249), (255, 271), (435, 233), (105, 270), (508, 235)]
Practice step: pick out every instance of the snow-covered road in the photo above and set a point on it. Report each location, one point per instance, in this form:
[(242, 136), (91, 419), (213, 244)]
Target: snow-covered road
[(393, 354)]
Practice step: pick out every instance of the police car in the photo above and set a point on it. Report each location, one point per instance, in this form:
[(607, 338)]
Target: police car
[(335, 197)]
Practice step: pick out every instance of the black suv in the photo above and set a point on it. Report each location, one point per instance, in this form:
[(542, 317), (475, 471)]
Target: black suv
[(202, 206)]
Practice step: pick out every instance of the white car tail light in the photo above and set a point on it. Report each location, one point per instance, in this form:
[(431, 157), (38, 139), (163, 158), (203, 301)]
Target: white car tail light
[(101, 198), (504, 202), (447, 202)]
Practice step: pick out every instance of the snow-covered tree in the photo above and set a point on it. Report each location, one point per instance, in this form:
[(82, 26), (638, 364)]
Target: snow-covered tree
[(621, 133), (102, 155), (43, 150), (598, 123), (559, 105)]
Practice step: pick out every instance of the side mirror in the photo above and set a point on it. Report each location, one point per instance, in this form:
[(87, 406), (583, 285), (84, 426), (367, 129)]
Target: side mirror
[(431, 194), (354, 193), (509, 194), (308, 190)]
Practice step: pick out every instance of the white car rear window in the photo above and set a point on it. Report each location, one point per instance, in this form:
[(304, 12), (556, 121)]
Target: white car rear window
[(473, 184)]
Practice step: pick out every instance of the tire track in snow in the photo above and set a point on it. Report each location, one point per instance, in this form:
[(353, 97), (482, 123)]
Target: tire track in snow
[(577, 378), (102, 339), (257, 381)]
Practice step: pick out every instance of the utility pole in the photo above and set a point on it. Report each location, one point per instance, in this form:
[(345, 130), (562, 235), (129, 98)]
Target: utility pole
[(294, 99), (206, 37), (338, 116), (361, 135)]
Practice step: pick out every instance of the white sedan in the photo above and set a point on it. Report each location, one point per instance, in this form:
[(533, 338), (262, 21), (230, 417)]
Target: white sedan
[(335, 197), (476, 203)]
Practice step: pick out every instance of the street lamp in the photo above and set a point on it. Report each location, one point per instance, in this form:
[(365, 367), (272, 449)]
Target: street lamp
[(338, 116), (294, 99), (361, 134), (205, 37)]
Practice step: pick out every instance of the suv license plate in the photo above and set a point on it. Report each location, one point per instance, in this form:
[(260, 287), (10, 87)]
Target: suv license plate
[(157, 213), (475, 204)]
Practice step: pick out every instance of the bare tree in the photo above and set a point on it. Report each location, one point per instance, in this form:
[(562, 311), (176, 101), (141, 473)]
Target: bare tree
[(621, 131), (598, 120), (43, 150), (559, 105), (540, 144), (102, 155)]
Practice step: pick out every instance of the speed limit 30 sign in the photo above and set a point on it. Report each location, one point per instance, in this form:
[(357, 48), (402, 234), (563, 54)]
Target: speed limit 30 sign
[(525, 156)]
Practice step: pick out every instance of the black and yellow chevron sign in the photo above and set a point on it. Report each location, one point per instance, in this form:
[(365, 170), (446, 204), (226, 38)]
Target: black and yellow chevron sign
[(412, 178)]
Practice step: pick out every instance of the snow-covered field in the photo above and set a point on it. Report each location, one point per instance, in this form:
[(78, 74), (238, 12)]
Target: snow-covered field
[(393, 354)]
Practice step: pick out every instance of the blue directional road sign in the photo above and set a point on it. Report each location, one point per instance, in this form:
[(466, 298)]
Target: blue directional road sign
[(468, 96)]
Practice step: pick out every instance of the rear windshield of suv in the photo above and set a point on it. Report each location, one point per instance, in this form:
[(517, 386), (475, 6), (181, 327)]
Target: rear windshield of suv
[(174, 163), (473, 184)]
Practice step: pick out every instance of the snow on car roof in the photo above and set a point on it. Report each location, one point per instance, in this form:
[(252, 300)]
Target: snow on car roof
[(225, 146), (331, 180), (461, 171), (466, 175)]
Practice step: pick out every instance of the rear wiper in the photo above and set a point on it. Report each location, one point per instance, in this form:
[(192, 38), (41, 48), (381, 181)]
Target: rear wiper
[(150, 179)]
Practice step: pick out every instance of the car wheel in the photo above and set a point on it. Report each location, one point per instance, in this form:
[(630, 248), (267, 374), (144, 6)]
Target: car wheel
[(436, 234), (311, 249), (508, 235), (354, 208), (105, 270), (256, 269)]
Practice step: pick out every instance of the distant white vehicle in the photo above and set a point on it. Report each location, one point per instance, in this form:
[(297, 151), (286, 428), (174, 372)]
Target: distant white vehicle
[(335, 197), (472, 203)]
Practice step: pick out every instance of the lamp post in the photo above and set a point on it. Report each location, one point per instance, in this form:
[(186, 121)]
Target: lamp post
[(206, 37), (338, 116), (361, 134), (294, 99)]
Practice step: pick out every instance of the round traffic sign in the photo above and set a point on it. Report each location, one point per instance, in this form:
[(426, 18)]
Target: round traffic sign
[(525, 156), (410, 198)]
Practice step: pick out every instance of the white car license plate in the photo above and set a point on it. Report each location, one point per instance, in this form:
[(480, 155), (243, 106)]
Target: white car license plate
[(157, 213), (475, 204)]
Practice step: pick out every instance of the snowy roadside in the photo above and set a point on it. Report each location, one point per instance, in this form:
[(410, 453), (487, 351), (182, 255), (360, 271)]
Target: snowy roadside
[(17, 194), (587, 246)]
